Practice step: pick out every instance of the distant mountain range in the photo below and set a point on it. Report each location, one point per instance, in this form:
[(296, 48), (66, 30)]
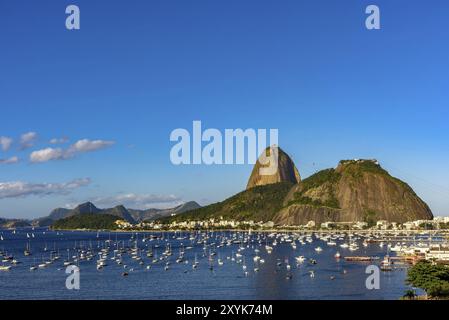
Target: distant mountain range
[(14, 223), (129, 215)]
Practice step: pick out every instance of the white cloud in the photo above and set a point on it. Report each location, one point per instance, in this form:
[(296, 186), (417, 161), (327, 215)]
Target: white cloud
[(59, 140), (9, 160), (81, 146), (87, 145), (5, 143), (139, 201), (47, 154), (19, 189), (27, 140)]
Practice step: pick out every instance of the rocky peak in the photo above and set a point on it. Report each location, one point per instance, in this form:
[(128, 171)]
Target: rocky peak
[(287, 171)]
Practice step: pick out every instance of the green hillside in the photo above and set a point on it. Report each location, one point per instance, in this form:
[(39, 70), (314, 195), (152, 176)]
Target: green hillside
[(86, 221), (259, 204)]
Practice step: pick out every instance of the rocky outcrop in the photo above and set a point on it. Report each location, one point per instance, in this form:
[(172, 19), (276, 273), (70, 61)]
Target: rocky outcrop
[(357, 190), (286, 172)]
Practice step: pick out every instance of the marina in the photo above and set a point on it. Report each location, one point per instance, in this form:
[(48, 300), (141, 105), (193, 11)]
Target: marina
[(206, 264)]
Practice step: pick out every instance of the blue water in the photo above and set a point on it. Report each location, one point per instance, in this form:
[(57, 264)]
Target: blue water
[(181, 281)]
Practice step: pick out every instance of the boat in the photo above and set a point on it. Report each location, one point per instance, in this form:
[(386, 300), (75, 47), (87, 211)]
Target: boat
[(287, 265), (318, 249), (27, 251), (337, 255), (386, 264)]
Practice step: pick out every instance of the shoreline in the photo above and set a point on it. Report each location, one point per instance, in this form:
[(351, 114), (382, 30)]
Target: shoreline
[(283, 230)]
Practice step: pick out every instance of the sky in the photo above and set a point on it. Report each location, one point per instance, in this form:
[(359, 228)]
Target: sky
[(86, 115)]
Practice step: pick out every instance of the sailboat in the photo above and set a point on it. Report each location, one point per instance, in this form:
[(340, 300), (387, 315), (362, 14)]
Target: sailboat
[(67, 262), (5, 268), (195, 263), (33, 266), (287, 264), (27, 251)]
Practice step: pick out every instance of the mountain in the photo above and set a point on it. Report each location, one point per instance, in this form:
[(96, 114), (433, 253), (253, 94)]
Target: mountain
[(59, 213), (121, 212), (84, 208), (357, 190), (129, 215), (87, 221), (13, 223), (56, 214), (287, 171), (153, 214)]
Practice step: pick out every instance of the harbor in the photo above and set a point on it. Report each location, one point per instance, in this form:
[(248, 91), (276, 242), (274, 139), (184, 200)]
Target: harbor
[(206, 264)]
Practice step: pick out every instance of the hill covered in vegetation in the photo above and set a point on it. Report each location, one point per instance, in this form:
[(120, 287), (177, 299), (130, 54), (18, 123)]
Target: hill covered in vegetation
[(87, 221), (259, 203)]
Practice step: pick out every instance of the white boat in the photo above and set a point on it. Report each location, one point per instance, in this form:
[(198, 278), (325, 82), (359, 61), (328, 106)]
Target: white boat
[(337, 255), (318, 249), (5, 268), (386, 264), (300, 259)]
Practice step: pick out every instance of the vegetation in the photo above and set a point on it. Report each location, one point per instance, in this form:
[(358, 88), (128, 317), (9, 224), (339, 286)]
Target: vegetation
[(259, 204), (432, 277), (326, 179), (409, 295), (426, 226), (370, 218), (87, 221), (444, 225), (356, 168), (321, 177)]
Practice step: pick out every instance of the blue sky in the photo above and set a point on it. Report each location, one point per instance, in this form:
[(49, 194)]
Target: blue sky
[(136, 70)]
